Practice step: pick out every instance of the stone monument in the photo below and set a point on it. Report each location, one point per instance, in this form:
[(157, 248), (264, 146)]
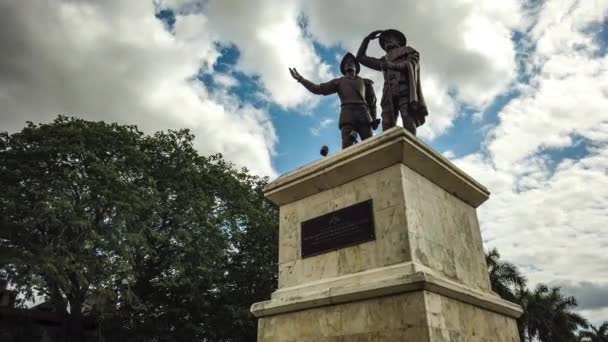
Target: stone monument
[(381, 242)]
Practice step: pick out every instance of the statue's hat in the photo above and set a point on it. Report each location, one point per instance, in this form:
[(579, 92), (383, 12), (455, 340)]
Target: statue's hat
[(346, 58), (391, 32)]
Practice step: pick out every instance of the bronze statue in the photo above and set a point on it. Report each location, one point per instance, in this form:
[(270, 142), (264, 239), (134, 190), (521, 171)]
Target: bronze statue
[(401, 70), (358, 109)]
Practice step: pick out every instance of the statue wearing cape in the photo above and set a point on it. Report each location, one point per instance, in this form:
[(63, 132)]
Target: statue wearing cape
[(402, 92)]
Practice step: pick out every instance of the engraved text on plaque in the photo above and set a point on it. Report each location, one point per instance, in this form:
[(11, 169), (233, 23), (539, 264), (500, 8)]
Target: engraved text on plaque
[(341, 228)]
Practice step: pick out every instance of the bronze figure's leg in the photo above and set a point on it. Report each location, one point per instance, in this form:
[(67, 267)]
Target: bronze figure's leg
[(362, 122), (409, 124), (364, 130), (389, 118), (347, 138), (408, 121)]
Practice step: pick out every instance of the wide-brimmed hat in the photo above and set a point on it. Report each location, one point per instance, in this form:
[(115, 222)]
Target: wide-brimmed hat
[(347, 57), (391, 32)]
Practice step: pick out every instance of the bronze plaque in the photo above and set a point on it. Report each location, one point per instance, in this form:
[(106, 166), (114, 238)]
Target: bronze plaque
[(341, 228)]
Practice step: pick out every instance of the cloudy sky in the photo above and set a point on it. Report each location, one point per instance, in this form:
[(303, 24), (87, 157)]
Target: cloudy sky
[(517, 91)]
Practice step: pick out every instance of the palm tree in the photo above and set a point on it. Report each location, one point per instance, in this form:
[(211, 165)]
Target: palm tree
[(547, 315), (595, 334), (505, 277)]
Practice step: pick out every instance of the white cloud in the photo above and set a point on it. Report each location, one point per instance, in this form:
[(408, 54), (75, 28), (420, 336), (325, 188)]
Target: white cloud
[(443, 109), (449, 154), (569, 94), (598, 315), (554, 226), (225, 80), (113, 60), (269, 40), (589, 295), (549, 216), (322, 124)]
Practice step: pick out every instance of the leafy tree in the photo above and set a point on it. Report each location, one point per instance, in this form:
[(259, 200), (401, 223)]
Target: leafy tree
[(548, 314), (505, 277), (595, 334), (139, 233)]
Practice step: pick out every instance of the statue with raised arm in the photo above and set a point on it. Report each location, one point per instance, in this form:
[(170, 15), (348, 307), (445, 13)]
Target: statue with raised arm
[(401, 70), (357, 97)]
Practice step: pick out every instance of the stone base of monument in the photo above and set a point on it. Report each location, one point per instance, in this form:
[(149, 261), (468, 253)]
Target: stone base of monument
[(381, 242)]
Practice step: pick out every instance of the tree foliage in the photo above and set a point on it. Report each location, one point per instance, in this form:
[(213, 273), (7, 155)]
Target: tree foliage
[(140, 233), (548, 314), (595, 334), (505, 277)]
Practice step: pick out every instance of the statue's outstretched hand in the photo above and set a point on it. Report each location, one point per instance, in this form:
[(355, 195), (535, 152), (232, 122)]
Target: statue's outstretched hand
[(374, 34), (294, 73)]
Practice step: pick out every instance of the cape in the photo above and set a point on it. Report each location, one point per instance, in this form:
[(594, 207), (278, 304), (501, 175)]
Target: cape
[(417, 104)]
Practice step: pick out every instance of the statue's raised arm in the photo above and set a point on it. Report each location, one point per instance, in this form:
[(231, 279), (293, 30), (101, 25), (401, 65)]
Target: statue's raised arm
[(357, 97), (327, 88), (363, 58)]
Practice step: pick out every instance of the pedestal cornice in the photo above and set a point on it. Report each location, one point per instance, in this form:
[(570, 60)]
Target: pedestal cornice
[(391, 280), (391, 147)]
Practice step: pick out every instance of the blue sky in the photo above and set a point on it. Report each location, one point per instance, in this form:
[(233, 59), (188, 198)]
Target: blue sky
[(517, 92)]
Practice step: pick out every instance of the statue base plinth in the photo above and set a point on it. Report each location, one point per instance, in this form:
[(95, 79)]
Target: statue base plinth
[(422, 278)]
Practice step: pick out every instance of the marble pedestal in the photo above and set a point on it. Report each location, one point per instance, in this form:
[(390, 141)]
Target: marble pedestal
[(423, 278)]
